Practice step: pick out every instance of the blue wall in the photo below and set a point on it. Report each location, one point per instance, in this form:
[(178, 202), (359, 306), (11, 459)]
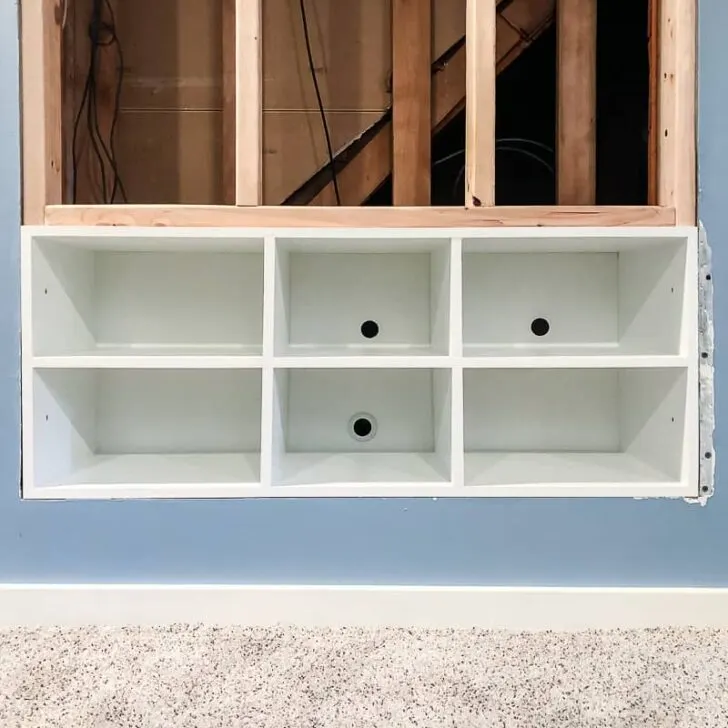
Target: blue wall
[(506, 542)]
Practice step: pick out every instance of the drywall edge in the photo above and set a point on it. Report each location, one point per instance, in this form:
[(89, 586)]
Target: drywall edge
[(706, 372)]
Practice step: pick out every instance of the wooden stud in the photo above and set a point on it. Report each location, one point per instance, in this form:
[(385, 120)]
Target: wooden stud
[(677, 107), (480, 103), (69, 98), (576, 101), (411, 111), (449, 217), (42, 107), (228, 102), (653, 123), (249, 106)]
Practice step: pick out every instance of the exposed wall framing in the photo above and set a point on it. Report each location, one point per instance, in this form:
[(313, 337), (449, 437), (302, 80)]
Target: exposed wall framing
[(427, 91)]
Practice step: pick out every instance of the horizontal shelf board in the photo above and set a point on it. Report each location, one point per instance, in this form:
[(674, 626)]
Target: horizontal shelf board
[(477, 357), (542, 469), (164, 470), (354, 350), (148, 361), (612, 241), (363, 362), (352, 468), (179, 240), (362, 490)]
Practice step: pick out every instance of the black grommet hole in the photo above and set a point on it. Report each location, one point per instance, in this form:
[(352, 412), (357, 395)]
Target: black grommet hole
[(362, 427), (369, 329), (540, 327)]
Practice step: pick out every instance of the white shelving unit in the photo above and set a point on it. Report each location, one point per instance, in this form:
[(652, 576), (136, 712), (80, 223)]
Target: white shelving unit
[(349, 362)]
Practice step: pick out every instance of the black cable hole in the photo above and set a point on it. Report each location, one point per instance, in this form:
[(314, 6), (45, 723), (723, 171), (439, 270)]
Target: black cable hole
[(540, 327), (369, 329), (362, 427)]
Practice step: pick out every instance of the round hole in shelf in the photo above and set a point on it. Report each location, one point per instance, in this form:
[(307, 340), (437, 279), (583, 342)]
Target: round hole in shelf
[(363, 426), (46, 418), (708, 455), (540, 327), (704, 355), (709, 277), (370, 329), (705, 489), (45, 291)]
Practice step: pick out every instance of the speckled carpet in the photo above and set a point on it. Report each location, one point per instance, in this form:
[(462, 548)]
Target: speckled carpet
[(200, 677)]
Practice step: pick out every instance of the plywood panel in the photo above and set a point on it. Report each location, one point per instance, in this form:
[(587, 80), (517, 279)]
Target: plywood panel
[(170, 156), (295, 146), (528, 16), (351, 48), (173, 59)]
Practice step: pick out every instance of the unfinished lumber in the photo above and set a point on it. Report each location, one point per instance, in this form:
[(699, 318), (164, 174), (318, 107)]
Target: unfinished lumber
[(411, 112), (373, 217), (249, 109), (653, 117), (228, 102), (677, 107), (42, 108), (576, 102), (480, 34)]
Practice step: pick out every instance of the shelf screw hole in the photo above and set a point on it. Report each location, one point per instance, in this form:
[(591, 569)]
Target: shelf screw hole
[(709, 277), (46, 418), (704, 355), (672, 290), (708, 455), (370, 329), (540, 327), (45, 290), (363, 427), (705, 489), (672, 419)]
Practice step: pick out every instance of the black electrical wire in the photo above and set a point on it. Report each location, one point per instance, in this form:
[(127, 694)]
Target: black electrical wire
[(322, 111), (101, 34)]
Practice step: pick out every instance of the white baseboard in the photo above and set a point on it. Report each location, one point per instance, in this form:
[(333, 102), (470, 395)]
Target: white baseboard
[(521, 608)]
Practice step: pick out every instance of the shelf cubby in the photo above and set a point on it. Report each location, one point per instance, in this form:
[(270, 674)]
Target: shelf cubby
[(363, 426), (358, 296), (131, 429), (581, 427), (101, 296), (574, 296)]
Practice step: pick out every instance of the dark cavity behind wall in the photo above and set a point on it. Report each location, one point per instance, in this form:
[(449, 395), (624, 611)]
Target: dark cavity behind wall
[(526, 109)]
